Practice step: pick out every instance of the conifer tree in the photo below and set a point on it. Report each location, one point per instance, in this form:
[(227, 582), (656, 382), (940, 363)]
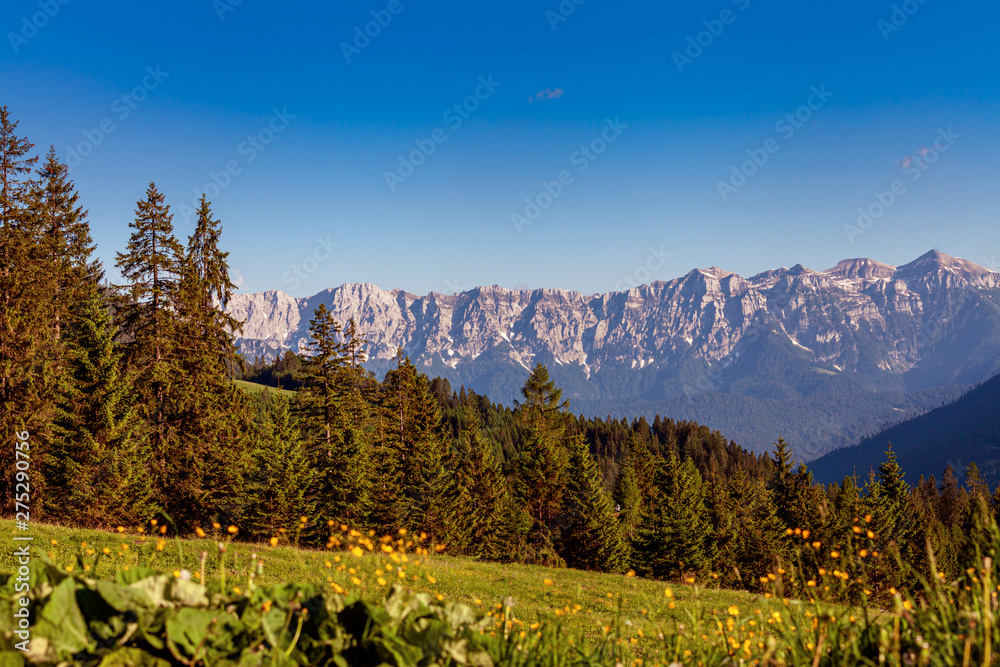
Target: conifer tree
[(205, 289), (589, 537), (416, 442), (60, 271), (974, 481), (475, 492), (542, 409), (318, 397), (340, 459), (210, 417), (281, 479), (628, 498), (543, 459), (846, 512), (896, 494), (211, 264), (25, 384), (952, 502), (782, 461), (976, 539), (100, 459), (151, 265), (795, 494), (388, 506), (354, 389), (673, 536), (893, 522), (65, 240), (16, 162), (749, 533), (45, 268)]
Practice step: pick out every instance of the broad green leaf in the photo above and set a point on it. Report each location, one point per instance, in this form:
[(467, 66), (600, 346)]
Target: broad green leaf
[(61, 622), (215, 633), (134, 574), (123, 598), (189, 628), (132, 657), (187, 593), (155, 588), (11, 659)]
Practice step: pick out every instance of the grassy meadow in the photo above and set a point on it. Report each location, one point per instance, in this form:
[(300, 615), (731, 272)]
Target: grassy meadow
[(254, 389), (503, 613), (588, 606)]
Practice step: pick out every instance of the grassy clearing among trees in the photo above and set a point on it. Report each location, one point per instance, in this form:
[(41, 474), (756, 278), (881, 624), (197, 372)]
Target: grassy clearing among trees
[(254, 389)]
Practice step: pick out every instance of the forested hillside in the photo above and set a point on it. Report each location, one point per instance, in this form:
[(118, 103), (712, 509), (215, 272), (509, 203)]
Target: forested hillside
[(956, 434)]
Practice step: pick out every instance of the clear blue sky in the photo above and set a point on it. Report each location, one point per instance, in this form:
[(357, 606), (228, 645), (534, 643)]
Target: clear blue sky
[(448, 225)]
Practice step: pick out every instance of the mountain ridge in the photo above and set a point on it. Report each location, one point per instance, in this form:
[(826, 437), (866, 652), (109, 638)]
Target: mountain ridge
[(860, 326)]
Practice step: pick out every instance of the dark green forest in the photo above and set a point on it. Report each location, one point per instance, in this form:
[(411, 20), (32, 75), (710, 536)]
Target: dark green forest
[(127, 394)]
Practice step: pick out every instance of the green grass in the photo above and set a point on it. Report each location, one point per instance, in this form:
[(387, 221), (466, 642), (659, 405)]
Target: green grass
[(587, 604), (254, 388), (572, 617)]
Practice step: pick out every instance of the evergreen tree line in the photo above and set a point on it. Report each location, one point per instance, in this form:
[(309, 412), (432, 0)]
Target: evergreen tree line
[(535, 483), (281, 373), (124, 390), (127, 394), (690, 503)]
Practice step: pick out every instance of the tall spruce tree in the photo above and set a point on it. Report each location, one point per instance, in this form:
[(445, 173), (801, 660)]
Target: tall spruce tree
[(475, 491), (65, 240), (209, 417), (543, 460), (887, 501), (151, 264), (62, 272), (342, 486), (355, 389), (207, 289), (673, 537), (796, 496), (542, 409), (318, 398), (416, 442), (280, 490), (99, 463), (589, 536), (749, 533), (628, 498), (27, 375), (953, 501)]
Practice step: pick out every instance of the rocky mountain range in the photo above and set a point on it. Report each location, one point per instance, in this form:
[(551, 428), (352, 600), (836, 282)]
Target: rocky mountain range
[(821, 357)]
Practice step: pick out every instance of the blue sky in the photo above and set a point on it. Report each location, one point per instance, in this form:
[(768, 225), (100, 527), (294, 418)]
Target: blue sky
[(591, 93)]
